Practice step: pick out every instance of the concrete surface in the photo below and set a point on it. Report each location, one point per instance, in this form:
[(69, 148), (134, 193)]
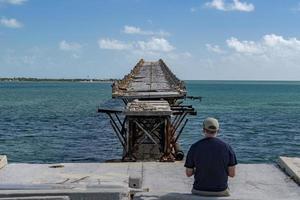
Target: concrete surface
[(253, 181), (291, 165), (3, 161), (38, 198), (100, 193), (164, 181)]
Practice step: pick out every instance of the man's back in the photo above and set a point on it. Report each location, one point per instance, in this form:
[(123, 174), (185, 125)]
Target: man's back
[(211, 158)]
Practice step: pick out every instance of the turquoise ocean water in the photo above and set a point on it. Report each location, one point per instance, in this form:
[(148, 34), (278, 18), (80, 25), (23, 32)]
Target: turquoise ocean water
[(57, 122)]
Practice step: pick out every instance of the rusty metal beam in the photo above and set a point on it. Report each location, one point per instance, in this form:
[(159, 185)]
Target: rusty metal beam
[(146, 132)]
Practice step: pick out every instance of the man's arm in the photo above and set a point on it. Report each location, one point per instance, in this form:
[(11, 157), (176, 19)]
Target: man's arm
[(189, 163), (231, 171), (189, 172), (232, 163)]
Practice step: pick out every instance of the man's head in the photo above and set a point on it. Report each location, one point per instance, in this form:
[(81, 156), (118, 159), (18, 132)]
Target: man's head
[(210, 127)]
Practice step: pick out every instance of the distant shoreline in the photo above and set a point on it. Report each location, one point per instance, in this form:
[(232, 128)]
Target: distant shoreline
[(111, 80), (81, 80)]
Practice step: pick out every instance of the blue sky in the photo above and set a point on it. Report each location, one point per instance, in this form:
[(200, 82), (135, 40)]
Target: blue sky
[(208, 39)]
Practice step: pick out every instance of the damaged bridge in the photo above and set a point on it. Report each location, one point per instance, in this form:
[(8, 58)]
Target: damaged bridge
[(154, 117)]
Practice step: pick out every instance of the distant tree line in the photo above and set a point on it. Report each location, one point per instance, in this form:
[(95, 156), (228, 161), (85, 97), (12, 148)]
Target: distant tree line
[(57, 79)]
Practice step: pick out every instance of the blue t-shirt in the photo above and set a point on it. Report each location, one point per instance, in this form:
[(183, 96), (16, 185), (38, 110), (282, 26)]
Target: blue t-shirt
[(211, 158)]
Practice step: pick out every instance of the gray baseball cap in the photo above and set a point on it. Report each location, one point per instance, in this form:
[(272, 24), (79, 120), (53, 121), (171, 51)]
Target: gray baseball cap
[(211, 124)]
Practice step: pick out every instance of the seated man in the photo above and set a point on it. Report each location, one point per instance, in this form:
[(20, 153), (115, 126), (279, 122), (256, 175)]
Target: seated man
[(211, 161)]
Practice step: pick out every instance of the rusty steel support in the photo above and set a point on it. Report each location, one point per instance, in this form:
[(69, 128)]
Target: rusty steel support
[(154, 117)]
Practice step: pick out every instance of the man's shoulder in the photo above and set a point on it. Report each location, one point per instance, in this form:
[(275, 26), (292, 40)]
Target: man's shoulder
[(199, 142), (220, 141), (223, 143), (196, 145), (214, 140)]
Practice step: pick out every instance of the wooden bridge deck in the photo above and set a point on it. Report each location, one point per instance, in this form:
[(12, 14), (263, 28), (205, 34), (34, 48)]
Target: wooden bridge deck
[(149, 80)]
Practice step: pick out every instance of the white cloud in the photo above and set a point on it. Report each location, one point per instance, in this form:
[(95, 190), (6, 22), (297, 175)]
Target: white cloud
[(243, 46), (152, 45), (152, 48), (132, 30), (156, 44), (13, 2), (270, 57), (270, 43), (69, 46), (235, 5), (214, 48), (10, 23), (113, 44), (217, 4), (273, 40), (136, 30), (242, 6)]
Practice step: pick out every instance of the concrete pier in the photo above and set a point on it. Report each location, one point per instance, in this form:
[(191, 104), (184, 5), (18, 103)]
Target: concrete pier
[(291, 166), (161, 180), (3, 161)]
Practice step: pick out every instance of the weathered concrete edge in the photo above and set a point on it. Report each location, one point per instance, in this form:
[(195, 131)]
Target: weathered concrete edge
[(38, 198), (3, 161), (77, 194), (287, 164)]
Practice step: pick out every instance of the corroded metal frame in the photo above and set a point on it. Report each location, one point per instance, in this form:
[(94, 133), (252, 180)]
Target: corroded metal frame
[(138, 128)]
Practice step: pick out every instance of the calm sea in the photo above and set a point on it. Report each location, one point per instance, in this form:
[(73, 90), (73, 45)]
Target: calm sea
[(58, 122)]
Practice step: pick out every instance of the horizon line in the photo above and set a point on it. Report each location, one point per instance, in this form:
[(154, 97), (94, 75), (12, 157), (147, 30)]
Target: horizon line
[(112, 79)]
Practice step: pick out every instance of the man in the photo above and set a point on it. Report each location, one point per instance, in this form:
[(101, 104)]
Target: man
[(211, 161)]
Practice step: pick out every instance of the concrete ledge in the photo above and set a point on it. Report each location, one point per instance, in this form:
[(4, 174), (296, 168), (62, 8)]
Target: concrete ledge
[(38, 198), (100, 193), (91, 181), (291, 165), (3, 161)]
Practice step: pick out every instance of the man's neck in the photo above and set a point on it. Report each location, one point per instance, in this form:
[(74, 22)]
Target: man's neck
[(210, 135)]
